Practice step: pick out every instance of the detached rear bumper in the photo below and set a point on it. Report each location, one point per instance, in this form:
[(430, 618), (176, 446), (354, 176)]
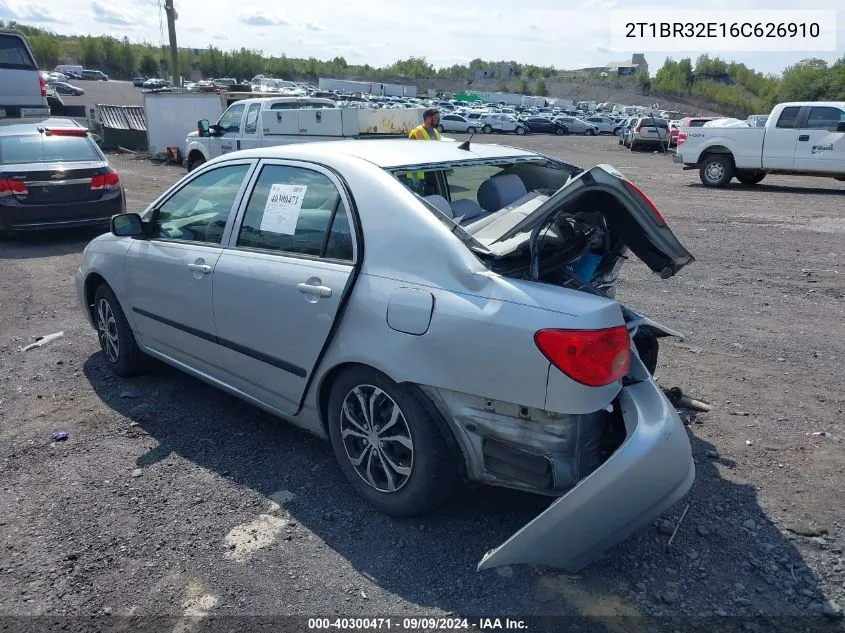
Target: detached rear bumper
[(646, 475)]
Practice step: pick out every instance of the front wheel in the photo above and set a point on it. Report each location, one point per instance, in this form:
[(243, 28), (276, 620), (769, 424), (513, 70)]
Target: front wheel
[(559, 131), (117, 341), (520, 131), (591, 132), (486, 129), (387, 444), (440, 129), (750, 178), (716, 170), (195, 162), (470, 130)]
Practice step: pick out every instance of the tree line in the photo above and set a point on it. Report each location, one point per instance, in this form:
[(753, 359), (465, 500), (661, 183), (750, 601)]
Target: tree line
[(737, 90), (730, 87)]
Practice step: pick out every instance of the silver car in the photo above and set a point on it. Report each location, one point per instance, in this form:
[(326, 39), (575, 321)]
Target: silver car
[(453, 326), (577, 126)]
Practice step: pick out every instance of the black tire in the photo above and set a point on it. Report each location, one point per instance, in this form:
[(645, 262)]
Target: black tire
[(559, 131), (632, 145), (433, 475), (520, 131), (486, 129), (647, 348), (129, 359), (716, 170), (470, 130), (440, 129), (5, 236), (750, 177), (195, 162), (616, 131), (591, 132)]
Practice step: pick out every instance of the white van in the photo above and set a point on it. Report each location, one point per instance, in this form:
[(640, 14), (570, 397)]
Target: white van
[(23, 91), (70, 68)]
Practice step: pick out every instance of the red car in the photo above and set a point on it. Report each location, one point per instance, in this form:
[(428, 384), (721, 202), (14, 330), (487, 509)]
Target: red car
[(690, 121)]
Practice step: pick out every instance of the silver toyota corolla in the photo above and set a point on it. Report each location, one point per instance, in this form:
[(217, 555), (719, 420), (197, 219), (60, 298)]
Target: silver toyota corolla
[(438, 311)]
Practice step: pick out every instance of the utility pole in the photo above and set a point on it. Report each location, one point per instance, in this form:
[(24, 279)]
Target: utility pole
[(170, 10)]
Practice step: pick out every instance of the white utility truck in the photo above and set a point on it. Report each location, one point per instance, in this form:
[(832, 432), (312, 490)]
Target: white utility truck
[(281, 120), (805, 138)]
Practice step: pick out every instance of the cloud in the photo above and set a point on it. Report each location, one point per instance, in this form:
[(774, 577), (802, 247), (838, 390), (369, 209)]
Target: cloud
[(29, 14), (220, 36), (113, 16), (600, 48), (311, 26), (195, 29), (533, 27), (255, 16)]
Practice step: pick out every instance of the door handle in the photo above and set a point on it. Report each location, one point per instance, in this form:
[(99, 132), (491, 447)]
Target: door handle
[(308, 289), (804, 137), (200, 268)]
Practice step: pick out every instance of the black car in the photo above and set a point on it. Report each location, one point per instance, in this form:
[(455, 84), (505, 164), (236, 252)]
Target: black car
[(53, 176), (64, 88), (138, 82), (544, 125), (94, 75)]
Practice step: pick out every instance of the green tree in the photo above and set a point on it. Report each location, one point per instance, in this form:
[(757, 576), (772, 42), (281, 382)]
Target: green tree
[(46, 49), (540, 88), (521, 86), (148, 65), (808, 80), (128, 58)]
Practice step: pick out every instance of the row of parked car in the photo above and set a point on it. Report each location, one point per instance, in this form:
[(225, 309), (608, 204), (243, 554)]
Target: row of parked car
[(471, 121)]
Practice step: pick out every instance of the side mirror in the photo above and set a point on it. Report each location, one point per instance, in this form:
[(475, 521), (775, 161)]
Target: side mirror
[(840, 127), (127, 225), (203, 127)]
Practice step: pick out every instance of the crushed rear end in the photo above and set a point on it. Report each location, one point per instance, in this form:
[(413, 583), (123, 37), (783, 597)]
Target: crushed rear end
[(611, 447)]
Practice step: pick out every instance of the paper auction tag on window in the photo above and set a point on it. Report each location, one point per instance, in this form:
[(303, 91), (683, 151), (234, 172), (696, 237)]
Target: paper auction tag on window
[(281, 211)]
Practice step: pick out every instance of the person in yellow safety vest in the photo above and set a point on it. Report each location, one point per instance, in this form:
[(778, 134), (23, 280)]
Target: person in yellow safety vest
[(427, 131)]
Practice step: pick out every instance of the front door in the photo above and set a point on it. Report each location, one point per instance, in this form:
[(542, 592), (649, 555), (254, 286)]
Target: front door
[(169, 276), (821, 148), (780, 140), (278, 287), (230, 125)]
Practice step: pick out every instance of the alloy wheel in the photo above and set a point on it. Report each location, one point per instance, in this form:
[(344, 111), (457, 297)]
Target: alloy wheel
[(714, 171), (377, 438), (107, 331)]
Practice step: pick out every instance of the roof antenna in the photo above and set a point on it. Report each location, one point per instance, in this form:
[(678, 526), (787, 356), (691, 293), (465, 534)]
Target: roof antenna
[(465, 144)]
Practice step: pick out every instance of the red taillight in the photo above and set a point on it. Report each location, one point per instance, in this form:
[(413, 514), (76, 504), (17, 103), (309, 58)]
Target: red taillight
[(592, 357), (43, 83), (13, 187), (682, 137), (108, 180), (646, 199), (66, 131), (637, 129)]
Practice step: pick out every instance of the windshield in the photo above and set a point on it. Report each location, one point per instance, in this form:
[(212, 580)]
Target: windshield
[(35, 148)]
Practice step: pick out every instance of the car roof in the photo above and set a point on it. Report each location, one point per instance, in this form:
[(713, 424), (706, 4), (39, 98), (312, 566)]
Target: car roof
[(388, 153), (21, 126)]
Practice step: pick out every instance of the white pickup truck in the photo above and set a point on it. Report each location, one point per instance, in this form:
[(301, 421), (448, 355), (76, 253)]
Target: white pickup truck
[(806, 138), (270, 121)]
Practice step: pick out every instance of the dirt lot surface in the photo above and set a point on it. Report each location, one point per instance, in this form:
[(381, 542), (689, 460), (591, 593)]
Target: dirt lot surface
[(112, 92), (170, 497)]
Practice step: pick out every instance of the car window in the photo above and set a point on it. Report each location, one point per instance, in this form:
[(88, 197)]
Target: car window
[(231, 119), (251, 124), (37, 148), (788, 117), (198, 211), (824, 118), (291, 209), (14, 55), (464, 181)]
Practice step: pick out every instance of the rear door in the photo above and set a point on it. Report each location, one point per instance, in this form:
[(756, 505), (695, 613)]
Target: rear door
[(280, 284), (252, 127), (820, 147), (780, 140), (20, 80)]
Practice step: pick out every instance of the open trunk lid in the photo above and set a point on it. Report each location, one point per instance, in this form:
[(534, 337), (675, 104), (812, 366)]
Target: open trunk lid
[(635, 219)]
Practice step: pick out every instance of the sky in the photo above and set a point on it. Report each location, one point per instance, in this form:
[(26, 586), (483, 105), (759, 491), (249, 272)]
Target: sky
[(566, 34)]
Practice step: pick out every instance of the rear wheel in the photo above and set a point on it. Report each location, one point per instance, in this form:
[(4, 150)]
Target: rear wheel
[(591, 132), (632, 145), (716, 170), (440, 129), (750, 177), (470, 130), (520, 131), (486, 129), (387, 445)]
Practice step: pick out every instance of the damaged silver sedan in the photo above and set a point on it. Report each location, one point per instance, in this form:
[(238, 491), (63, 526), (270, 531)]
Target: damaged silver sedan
[(438, 311)]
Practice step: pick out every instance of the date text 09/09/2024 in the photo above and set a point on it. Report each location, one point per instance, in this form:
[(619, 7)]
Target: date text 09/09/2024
[(417, 624), (695, 30)]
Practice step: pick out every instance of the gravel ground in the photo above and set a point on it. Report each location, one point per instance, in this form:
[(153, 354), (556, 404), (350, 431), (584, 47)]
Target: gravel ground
[(172, 498)]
